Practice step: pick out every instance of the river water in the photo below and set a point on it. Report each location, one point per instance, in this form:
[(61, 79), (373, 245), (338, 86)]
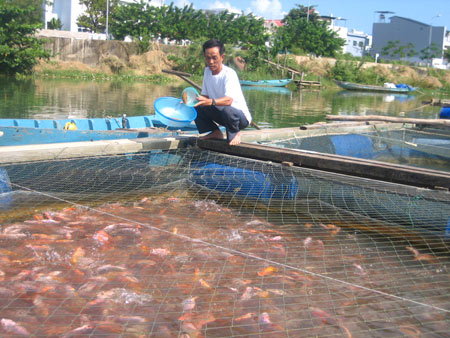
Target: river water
[(166, 257), (270, 107)]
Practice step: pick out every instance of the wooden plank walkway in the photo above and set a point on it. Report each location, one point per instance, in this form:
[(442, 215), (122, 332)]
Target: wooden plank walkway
[(300, 83)]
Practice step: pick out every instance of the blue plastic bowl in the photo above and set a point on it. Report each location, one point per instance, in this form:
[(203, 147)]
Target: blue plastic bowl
[(172, 112)]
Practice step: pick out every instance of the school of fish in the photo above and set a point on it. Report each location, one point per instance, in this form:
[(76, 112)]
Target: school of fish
[(174, 267)]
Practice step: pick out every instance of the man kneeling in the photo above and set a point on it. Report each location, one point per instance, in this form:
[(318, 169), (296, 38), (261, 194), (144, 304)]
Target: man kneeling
[(221, 101)]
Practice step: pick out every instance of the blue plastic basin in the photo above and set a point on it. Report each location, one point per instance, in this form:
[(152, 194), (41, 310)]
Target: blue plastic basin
[(173, 112)]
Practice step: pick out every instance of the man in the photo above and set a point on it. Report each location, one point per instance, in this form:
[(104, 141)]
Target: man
[(221, 101)]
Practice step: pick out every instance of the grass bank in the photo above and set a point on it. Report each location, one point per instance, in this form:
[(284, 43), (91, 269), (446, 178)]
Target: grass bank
[(147, 68)]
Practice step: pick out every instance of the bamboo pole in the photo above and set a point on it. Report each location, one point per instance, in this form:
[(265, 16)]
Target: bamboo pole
[(182, 75), (435, 122)]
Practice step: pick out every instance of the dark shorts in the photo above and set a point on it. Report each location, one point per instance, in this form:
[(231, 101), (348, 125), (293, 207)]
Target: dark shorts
[(209, 117)]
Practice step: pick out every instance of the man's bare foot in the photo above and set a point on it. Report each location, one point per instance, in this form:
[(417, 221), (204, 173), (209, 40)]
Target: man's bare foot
[(216, 134), (236, 140)]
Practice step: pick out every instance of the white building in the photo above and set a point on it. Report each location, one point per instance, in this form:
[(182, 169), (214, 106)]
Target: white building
[(68, 11), (358, 43)]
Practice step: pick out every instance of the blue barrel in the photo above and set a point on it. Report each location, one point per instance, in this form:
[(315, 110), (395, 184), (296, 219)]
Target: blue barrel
[(244, 182), (5, 189), (445, 113)]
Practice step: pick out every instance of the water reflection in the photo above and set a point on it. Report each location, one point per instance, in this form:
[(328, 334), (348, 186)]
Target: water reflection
[(270, 107)]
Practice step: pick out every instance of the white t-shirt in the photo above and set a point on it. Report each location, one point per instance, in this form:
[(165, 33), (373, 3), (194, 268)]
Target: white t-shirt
[(226, 83)]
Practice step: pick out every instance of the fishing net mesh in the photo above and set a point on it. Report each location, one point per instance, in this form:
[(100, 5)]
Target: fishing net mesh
[(422, 147), (192, 243)]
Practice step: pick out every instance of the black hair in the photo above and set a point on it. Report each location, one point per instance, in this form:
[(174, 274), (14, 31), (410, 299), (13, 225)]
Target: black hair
[(214, 43)]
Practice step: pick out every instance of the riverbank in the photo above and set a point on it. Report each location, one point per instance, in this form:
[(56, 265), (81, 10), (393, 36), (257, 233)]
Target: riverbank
[(118, 60)]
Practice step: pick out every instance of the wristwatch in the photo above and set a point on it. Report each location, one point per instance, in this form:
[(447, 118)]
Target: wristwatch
[(213, 103)]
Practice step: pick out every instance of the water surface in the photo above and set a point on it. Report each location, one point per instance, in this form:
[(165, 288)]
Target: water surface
[(270, 107)]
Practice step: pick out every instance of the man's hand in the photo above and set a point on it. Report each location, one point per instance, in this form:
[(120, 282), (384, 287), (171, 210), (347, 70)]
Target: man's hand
[(203, 101)]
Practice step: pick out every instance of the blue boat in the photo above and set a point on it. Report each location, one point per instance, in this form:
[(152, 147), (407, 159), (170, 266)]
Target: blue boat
[(267, 83), (99, 124), (43, 131)]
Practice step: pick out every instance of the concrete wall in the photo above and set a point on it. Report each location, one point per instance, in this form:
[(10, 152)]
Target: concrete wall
[(87, 49), (89, 52)]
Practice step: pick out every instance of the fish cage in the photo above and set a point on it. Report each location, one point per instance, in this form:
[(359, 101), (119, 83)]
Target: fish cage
[(194, 243), (424, 147)]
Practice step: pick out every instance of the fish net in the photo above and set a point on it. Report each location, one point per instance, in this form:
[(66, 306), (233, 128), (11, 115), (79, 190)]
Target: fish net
[(420, 147), (192, 243)]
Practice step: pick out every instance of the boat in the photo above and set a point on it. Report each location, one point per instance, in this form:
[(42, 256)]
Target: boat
[(44, 131), (400, 88), (268, 90), (267, 83), (99, 124)]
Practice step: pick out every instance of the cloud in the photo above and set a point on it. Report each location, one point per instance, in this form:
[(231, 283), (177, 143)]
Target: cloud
[(269, 9), (226, 5)]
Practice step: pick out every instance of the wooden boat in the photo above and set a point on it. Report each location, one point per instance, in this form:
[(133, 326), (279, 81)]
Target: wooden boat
[(267, 83), (372, 88)]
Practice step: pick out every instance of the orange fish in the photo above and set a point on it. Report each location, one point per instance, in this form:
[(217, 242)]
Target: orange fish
[(77, 255), (189, 303), (204, 283), (12, 327), (246, 316), (335, 229), (102, 238), (326, 318), (267, 271), (421, 257)]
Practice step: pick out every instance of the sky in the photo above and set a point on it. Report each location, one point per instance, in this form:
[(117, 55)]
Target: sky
[(359, 15)]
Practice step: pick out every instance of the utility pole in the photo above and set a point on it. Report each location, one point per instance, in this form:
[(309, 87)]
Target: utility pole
[(429, 36), (107, 18)]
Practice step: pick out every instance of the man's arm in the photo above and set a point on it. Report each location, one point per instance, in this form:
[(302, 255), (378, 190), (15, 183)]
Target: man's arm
[(204, 100)]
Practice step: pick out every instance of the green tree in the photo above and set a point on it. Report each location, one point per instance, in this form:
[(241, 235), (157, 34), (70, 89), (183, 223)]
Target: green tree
[(54, 24), (447, 54), (431, 52), (394, 49), (390, 49), (308, 33), (20, 50), (95, 16), (36, 12)]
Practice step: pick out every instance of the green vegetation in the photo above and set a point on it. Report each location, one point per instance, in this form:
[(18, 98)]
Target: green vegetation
[(99, 76), (54, 24), (95, 15), (34, 14), (245, 37), (19, 49), (354, 72), (393, 49), (305, 31), (430, 52)]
